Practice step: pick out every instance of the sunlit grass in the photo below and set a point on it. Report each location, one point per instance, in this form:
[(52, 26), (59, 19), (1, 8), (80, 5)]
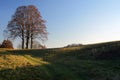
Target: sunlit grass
[(37, 61), (11, 61), (89, 62)]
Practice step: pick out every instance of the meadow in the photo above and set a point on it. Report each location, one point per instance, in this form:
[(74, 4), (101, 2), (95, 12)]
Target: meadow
[(88, 62)]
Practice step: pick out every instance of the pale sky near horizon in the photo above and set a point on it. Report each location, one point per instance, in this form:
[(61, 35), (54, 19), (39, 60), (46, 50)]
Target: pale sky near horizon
[(71, 21)]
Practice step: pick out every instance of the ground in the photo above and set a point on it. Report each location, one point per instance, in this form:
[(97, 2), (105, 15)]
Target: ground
[(88, 62)]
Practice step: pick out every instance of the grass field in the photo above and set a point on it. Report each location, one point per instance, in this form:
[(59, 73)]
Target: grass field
[(88, 62)]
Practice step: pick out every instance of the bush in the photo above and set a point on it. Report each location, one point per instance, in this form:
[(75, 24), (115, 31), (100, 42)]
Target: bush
[(6, 44)]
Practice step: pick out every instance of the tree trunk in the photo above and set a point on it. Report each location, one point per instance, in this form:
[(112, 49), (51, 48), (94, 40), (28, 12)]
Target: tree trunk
[(27, 39), (31, 41), (22, 43), (22, 39), (27, 42)]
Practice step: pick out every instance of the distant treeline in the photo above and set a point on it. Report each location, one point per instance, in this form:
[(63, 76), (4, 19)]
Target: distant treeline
[(74, 45)]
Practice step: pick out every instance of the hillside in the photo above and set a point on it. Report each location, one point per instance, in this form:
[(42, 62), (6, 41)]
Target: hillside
[(89, 62)]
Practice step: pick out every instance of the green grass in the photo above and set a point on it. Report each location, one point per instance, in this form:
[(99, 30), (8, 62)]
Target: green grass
[(89, 62)]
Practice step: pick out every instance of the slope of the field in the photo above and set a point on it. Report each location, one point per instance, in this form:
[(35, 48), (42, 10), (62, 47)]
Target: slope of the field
[(89, 62)]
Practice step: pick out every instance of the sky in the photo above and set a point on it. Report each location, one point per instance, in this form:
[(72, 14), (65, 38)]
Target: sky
[(70, 21)]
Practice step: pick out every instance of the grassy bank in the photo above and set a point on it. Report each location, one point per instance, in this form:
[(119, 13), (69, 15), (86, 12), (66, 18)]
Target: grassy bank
[(88, 62)]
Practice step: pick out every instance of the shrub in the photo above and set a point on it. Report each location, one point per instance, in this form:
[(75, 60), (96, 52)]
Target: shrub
[(6, 44)]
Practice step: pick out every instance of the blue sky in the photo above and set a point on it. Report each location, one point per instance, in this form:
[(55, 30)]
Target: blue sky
[(71, 21)]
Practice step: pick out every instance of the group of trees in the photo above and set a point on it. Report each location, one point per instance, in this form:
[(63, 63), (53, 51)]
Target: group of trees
[(36, 45), (74, 45), (28, 25), (6, 44)]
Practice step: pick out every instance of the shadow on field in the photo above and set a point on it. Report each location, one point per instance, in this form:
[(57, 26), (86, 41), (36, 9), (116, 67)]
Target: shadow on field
[(31, 73), (51, 71), (92, 62), (102, 51), (41, 72)]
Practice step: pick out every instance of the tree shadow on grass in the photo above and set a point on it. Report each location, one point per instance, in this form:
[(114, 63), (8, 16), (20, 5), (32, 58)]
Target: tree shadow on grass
[(60, 70), (43, 72), (50, 71)]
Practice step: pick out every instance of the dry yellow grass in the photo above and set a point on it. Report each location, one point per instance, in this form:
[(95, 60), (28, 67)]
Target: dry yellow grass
[(13, 61)]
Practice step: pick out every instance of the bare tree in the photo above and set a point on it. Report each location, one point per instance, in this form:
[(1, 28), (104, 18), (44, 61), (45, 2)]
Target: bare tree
[(36, 26), (19, 46), (38, 45), (16, 27), (27, 24)]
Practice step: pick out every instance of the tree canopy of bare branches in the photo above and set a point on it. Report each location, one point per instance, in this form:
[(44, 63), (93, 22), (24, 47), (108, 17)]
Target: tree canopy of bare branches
[(27, 24)]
